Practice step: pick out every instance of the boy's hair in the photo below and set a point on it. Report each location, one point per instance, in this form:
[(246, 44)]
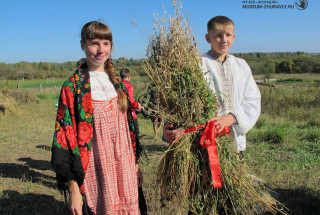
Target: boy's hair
[(124, 73), (80, 62), (217, 21)]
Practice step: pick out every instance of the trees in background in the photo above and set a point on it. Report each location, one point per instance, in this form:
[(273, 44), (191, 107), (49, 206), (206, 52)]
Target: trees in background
[(260, 63), (42, 70), (282, 62)]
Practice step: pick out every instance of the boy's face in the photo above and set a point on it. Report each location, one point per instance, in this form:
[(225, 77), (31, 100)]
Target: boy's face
[(221, 39)]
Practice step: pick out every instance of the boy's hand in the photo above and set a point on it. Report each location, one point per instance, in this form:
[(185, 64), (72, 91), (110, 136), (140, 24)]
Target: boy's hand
[(226, 120), (172, 135), (140, 107)]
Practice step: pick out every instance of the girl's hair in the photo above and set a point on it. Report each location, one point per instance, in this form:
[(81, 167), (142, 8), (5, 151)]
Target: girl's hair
[(122, 97), (97, 29)]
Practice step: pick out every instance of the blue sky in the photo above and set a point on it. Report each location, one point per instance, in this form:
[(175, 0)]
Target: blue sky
[(38, 30)]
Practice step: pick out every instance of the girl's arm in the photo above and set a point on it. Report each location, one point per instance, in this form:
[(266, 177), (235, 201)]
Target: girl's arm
[(75, 198)]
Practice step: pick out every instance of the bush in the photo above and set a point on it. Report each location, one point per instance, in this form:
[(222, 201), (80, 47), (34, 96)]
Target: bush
[(274, 135), (310, 135)]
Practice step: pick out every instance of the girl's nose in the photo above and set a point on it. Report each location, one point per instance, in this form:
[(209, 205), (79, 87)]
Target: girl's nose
[(99, 49)]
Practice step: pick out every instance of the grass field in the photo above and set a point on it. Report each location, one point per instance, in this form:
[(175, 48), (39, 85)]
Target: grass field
[(27, 83), (283, 150)]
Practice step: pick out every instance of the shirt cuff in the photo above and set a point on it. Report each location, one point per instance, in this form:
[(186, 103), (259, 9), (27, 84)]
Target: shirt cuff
[(235, 118)]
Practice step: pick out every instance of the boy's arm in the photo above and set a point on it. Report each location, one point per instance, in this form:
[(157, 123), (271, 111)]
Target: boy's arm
[(248, 112), (134, 104)]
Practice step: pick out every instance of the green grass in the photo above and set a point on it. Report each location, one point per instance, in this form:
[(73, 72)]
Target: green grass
[(284, 146), (283, 150), (307, 78), (32, 83)]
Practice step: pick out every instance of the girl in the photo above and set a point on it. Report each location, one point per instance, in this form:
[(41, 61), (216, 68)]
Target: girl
[(92, 153)]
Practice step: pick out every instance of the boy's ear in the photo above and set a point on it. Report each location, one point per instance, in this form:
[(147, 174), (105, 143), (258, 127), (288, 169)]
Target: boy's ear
[(208, 38)]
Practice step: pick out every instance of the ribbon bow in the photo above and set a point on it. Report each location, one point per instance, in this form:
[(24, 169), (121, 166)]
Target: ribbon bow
[(208, 140)]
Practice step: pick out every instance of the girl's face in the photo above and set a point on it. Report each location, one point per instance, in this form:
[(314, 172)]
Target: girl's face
[(97, 52)]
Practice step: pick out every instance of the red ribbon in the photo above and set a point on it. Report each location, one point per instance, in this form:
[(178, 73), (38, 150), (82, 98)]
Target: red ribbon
[(208, 140)]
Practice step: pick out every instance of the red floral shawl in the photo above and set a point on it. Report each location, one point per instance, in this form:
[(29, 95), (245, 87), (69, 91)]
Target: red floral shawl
[(73, 134)]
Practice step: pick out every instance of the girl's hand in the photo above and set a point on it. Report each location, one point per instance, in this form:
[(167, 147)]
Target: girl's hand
[(75, 199), (139, 175)]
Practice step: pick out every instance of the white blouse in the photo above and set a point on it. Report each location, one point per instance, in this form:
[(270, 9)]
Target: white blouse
[(237, 93), (101, 86)]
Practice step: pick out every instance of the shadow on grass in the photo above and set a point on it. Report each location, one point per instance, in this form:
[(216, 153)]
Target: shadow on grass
[(24, 173), (300, 201), (13, 202), (145, 137), (36, 164), (45, 147), (155, 148)]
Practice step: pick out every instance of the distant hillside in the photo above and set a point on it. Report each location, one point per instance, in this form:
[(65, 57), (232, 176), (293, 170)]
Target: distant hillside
[(42, 70), (260, 63), (282, 62)]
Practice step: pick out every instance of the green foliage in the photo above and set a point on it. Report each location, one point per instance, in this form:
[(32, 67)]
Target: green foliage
[(260, 63), (273, 135), (286, 66), (44, 70), (282, 62)]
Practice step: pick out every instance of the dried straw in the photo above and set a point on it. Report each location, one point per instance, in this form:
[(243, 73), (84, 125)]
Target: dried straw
[(185, 98)]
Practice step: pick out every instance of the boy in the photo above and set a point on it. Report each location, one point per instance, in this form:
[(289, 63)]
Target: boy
[(125, 75), (231, 80)]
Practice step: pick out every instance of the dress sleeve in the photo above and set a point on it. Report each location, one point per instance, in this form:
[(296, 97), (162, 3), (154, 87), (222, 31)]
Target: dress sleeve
[(248, 111)]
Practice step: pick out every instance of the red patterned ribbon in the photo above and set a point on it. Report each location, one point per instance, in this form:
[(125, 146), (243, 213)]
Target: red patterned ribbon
[(208, 140)]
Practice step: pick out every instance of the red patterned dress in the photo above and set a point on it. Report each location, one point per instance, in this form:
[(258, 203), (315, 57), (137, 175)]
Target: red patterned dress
[(110, 183)]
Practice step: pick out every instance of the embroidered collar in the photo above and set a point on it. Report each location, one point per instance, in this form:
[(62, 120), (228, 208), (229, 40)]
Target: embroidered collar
[(217, 58)]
